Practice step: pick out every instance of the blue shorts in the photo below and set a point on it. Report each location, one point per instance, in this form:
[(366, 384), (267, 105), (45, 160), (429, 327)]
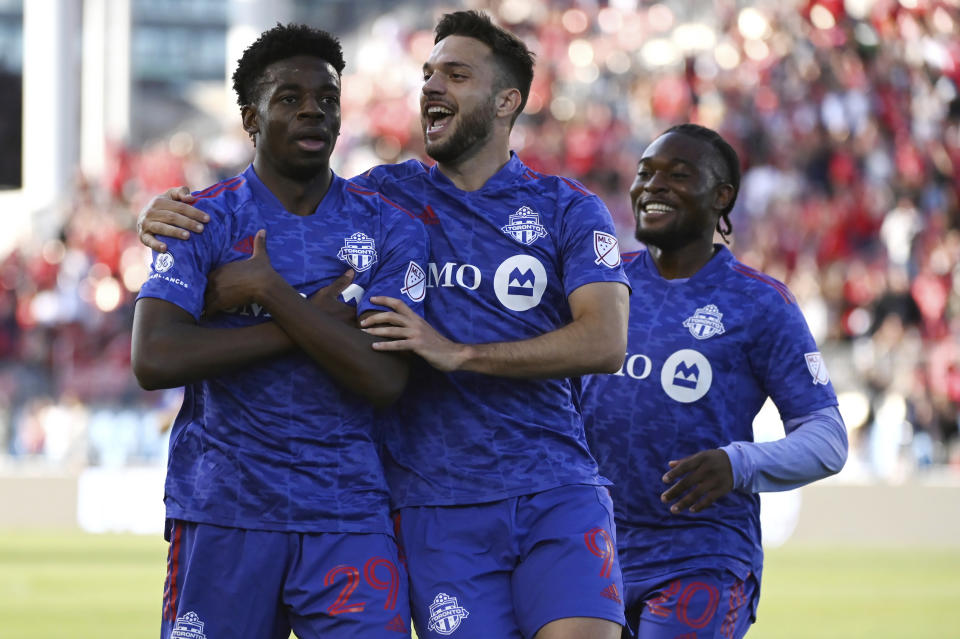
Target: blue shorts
[(507, 568), (231, 582), (703, 604)]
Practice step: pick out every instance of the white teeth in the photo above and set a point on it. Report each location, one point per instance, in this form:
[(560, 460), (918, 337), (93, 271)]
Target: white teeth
[(438, 110), (656, 207)]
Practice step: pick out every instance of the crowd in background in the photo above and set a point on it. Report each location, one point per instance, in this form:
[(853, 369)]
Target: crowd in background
[(846, 116)]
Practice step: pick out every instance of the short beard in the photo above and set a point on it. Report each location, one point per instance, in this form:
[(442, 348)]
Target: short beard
[(474, 128), (667, 239)]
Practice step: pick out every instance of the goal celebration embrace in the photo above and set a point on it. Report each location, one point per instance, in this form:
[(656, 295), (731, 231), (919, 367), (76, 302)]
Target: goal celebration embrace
[(437, 394)]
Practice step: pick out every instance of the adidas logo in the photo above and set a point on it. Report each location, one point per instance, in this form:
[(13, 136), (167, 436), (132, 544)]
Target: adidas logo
[(244, 246), (397, 624), (611, 592)]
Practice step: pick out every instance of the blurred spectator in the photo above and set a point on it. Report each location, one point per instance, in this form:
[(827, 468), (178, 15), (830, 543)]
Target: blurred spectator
[(846, 116)]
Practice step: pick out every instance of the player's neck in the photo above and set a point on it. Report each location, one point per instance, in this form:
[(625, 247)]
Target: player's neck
[(472, 169), (298, 196), (681, 262)]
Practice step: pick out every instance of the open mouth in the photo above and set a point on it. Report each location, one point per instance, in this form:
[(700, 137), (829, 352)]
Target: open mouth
[(437, 119), (656, 209)]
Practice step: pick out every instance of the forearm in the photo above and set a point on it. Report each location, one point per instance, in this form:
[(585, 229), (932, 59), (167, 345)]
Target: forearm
[(344, 352), (178, 354), (815, 447), (579, 348), (595, 341)]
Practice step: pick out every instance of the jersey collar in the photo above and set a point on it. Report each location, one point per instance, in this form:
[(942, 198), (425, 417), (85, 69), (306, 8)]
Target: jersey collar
[(506, 176)]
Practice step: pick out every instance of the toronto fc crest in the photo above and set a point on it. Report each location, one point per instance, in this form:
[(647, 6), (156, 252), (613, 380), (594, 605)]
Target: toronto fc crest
[(446, 614), (705, 322), (524, 226), (358, 251), (188, 626)]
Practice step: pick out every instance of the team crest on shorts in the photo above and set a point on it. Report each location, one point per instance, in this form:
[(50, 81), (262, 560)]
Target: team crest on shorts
[(358, 251), (524, 226), (705, 323), (446, 614), (188, 626), (607, 249), (414, 283), (817, 368)]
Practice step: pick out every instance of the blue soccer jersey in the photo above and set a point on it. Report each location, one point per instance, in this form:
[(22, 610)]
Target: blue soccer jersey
[(503, 261), (704, 353), (278, 445)]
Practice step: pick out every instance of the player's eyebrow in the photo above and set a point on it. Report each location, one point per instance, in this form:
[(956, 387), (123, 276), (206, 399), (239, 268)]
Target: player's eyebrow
[(448, 66), (673, 162), (297, 86)]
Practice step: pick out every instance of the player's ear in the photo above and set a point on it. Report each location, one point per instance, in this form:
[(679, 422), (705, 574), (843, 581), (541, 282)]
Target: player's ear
[(723, 196), (251, 121), (508, 101)]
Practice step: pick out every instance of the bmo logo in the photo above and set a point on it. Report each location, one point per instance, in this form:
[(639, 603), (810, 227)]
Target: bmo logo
[(685, 376), (635, 366), (452, 274), (520, 282)]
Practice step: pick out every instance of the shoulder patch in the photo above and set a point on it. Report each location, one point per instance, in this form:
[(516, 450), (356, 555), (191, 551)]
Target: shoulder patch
[(607, 249), (817, 368)]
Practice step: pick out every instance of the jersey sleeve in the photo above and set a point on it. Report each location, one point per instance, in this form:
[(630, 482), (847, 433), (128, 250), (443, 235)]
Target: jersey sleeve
[(589, 248), (786, 359), (179, 275), (401, 271)]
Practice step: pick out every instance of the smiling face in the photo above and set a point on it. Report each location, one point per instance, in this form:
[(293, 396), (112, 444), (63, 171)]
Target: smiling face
[(296, 119), (678, 195), (458, 102)]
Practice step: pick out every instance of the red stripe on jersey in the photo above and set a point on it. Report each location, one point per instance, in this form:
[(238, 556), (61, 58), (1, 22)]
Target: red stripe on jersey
[(356, 189), (629, 256), (576, 187), (785, 293), (217, 189)]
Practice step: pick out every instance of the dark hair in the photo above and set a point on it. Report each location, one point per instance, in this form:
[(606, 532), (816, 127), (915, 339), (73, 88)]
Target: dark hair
[(280, 43), (728, 157), (512, 56)]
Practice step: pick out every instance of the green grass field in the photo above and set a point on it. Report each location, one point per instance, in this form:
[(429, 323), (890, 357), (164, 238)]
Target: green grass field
[(57, 585)]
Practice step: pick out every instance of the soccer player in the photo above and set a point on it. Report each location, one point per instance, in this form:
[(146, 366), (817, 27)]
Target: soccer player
[(277, 505), (710, 339), (506, 524)]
